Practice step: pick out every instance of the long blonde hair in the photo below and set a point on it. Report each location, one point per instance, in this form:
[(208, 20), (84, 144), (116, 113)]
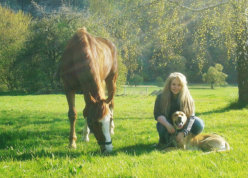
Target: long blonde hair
[(185, 100)]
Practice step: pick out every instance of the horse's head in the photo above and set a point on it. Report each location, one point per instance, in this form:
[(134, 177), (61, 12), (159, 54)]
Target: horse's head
[(99, 119)]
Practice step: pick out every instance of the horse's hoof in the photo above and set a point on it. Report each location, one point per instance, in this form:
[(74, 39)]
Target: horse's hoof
[(73, 146), (85, 139)]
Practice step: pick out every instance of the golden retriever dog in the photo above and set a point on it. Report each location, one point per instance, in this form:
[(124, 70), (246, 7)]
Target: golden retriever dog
[(204, 142)]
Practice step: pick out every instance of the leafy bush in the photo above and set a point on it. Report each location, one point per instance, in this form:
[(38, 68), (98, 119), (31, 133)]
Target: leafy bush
[(136, 80), (43, 51), (122, 73), (14, 31), (48, 38), (159, 81), (215, 76)]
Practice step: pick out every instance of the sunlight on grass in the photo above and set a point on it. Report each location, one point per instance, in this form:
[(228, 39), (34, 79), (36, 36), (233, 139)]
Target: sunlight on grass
[(34, 132)]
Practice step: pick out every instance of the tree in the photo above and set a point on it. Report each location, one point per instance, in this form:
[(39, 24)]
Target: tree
[(43, 51), (227, 24), (14, 30), (136, 79), (153, 37), (215, 76), (148, 33), (48, 38), (160, 81), (234, 31)]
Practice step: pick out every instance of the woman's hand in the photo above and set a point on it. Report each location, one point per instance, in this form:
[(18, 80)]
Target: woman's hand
[(165, 123), (170, 128)]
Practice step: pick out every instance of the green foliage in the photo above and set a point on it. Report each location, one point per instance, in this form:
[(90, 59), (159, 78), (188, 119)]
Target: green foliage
[(14, 31), (44, 49), (122, 73), (49, 37), (34, 134), (153, 38), (215, 76), (229, 33), (160, 81), (136, 80)]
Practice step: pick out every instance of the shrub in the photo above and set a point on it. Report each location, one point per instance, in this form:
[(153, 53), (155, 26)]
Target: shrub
[(160, 81), (14, 31), (136, 80), (215, 76)]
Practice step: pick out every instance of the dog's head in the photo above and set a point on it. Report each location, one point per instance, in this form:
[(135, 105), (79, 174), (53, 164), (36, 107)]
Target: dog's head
[(179, 119)]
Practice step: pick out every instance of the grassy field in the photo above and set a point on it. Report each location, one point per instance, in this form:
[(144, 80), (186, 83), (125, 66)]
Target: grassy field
[(34, 132)]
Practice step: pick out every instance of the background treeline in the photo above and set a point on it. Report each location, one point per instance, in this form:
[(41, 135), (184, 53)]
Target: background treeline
[(153, 37)]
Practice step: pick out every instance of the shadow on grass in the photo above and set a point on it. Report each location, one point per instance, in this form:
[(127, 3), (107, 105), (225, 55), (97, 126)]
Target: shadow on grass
[(13, 93), (232, 106), (26, 137), (137, 149), (133, 150), (133, 118), (201, 88), (30, 145), (23, 93), (29, 155)]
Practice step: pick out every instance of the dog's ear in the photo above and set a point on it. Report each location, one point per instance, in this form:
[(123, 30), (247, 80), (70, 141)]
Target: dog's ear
[(173, 116)]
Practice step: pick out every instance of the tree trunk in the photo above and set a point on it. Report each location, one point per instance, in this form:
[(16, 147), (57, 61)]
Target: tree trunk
[(212, 85), (242, 68)]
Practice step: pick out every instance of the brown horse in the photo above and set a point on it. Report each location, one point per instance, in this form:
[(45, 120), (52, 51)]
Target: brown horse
[(86, 64)]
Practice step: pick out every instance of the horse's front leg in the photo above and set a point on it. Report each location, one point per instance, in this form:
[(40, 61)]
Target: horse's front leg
[(86, 132), (72, 115), (111, 87), (112, 125)]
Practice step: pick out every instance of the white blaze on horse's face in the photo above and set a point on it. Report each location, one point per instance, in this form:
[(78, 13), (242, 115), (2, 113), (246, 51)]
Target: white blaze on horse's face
[(106, 132)]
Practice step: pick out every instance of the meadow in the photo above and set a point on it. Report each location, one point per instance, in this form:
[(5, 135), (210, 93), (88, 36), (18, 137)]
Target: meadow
[(34, 132)]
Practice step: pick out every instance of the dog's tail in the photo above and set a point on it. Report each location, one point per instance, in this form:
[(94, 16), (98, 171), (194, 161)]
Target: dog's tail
[(227, 146)]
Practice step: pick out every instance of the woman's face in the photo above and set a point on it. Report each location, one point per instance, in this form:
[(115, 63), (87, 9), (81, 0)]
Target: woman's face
[(175, 86)]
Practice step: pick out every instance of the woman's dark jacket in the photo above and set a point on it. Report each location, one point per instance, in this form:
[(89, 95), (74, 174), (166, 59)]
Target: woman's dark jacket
[(175, 106)]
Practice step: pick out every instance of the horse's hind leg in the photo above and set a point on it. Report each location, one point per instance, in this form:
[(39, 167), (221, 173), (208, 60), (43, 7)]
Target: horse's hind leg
[(72, 114)]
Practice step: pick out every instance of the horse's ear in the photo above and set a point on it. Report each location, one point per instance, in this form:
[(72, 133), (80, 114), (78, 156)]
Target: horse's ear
[(92, 98)]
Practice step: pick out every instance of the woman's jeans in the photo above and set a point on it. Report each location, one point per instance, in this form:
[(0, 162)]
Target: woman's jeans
[(164, 135)]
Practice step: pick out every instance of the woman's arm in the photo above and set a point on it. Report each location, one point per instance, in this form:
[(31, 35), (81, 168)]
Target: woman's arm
[(162, 120), (157, 111), (159, 116), (189, 126)]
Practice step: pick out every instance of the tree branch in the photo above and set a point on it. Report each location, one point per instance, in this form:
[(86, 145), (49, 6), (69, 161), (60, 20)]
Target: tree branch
[(199, 9)]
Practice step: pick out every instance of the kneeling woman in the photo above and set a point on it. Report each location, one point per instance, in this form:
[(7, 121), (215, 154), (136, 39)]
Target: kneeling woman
[(175, 97)]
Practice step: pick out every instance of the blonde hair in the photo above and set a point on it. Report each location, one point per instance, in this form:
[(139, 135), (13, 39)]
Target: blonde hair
[(185, 100)]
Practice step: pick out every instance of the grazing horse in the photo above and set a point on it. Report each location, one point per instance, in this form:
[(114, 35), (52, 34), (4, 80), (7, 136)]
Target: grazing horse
[(86, 64)]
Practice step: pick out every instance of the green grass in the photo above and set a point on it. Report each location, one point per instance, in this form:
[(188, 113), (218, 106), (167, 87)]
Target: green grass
[(34, 132)]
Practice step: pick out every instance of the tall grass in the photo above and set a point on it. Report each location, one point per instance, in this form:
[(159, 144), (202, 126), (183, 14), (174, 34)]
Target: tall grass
[(34, 132)]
